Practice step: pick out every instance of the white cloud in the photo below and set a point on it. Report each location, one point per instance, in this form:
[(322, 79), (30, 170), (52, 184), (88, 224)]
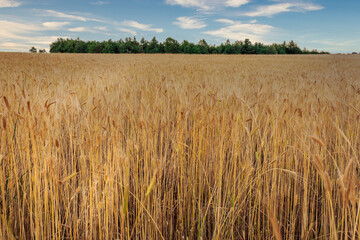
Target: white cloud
[(189, 23), (206, 5), (99, 3), (26, 42), (15, 46), (126, 30), (9, 3), (54, 25), (13, 29), (236, 3), (237, 30), (79, 29), (52, 13), (101, 28), (144, 27), (18, 36), (42, 40), (271, 10), (202, 4), (227, 21), (341, 43), (82, 29), (333, 45), (96, 29)]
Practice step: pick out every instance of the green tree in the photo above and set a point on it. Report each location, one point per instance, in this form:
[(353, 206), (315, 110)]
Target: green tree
[(247, 47), (80, 46), (162, 48), (58, 46), (203, 46), (213, 49), (220, 49), (33, 50), (292, 48), (185, 47), (135, 46), (130, 46), (237, 46), (281, 48), (96, 48), (171, 45), (154, 46), (144, 46), (120, 46), (195, 49), (315, 51), (228, 48), (271, 50), (258, 48), (108, 47)]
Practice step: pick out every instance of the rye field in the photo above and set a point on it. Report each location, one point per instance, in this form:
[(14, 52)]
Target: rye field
[(179, 147)]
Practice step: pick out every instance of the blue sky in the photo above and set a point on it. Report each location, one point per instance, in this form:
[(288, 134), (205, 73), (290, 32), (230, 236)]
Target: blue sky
[(332, 25)]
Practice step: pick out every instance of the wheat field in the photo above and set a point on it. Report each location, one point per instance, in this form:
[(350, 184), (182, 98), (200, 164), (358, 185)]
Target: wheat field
[(179, 147)]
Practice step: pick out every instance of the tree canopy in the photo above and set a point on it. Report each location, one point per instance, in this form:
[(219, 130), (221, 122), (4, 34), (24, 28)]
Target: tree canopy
[(170, 45), (33, 50)]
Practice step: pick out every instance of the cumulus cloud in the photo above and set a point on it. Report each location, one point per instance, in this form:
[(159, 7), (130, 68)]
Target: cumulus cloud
[(189, 23), (206, 5), (271, 10), (236, 30), (144, 27), (9, 3)]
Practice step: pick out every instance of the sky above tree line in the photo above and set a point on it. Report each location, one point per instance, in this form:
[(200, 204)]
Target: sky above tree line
[(330, 25)]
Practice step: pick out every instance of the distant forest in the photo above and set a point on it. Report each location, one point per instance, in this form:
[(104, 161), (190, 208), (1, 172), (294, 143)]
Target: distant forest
[(170, 45)]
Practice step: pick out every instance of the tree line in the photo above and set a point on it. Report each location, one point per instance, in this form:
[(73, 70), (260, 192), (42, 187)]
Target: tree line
[(170, 45)]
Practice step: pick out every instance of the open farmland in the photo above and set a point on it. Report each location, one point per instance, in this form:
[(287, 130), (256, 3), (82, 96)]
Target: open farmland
[(179, 147)]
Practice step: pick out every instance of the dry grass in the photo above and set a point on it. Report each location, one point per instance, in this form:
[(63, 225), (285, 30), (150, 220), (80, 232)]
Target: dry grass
[(179, 147)]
